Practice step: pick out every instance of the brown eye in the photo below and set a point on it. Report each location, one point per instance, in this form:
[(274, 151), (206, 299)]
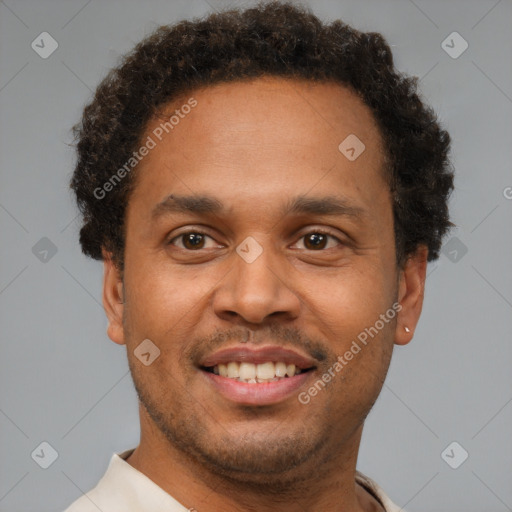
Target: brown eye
[(315, 241), (193, 241), (318, 241)]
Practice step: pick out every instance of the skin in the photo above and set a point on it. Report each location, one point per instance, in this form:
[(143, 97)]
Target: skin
[(255, 147)]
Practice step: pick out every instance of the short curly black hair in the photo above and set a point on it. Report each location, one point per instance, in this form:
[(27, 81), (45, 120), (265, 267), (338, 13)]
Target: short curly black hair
[(273, 39)]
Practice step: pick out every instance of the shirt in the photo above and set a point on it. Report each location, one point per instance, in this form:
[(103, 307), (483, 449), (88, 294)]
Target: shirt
[(125, 489)]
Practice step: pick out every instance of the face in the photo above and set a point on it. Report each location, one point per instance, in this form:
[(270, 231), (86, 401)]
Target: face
[(255, 244)]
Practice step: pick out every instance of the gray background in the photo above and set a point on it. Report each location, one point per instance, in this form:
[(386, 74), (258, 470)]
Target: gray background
[(64, 382)]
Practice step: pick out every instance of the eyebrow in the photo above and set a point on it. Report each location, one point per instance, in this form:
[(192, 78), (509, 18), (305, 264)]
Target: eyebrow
[(186, 204), (329, 205)]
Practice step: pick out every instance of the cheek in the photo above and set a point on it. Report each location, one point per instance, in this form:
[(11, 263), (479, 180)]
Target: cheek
[(350, 300), (358, 318), (348, 314), (164, 294), (165, 305)]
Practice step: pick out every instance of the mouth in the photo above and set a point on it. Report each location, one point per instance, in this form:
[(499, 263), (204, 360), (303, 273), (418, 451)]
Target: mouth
[(250, 373), (257, 377)]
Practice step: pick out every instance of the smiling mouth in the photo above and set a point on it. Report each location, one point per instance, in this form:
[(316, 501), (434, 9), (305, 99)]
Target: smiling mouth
[(250, 373)]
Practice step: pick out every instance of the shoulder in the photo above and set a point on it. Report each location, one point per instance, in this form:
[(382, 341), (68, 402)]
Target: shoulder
[(375, 490), (83, 504), (110, 490)]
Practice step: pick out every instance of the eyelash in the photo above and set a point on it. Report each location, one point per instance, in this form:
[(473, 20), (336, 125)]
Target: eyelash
[(316, 231)]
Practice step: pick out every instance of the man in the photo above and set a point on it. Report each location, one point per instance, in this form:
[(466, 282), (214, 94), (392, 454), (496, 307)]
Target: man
[(265, 191)]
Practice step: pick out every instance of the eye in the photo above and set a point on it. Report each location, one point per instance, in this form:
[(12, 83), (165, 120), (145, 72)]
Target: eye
[(192, 241), (317, 240)]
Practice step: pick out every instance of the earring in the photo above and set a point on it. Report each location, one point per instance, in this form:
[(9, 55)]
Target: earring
[(407, 329)]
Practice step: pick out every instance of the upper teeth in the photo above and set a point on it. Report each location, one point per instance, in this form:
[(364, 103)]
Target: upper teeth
[(253, 373)]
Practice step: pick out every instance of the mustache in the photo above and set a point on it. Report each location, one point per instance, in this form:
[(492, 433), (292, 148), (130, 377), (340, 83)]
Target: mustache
[(289, 337)]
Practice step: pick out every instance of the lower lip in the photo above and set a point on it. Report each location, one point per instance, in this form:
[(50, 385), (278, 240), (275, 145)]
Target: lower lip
[(265, 393)]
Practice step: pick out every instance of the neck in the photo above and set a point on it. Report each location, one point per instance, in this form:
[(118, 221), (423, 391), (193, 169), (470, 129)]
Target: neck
[(327, 483)]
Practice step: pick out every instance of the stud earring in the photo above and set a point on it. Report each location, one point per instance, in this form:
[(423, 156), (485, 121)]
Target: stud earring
[(407, 329)]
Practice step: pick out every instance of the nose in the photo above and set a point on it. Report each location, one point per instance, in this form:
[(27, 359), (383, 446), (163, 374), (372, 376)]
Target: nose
[(255, 291)]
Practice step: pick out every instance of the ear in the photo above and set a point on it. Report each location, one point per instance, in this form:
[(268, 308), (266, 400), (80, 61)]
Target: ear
[(411, 289), (113, 299)]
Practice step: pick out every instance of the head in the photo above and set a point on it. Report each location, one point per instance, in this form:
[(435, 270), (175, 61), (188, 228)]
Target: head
[(260, 178)]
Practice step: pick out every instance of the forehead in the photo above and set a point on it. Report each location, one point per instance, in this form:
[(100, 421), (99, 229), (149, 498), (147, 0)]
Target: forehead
[(260, 136)]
